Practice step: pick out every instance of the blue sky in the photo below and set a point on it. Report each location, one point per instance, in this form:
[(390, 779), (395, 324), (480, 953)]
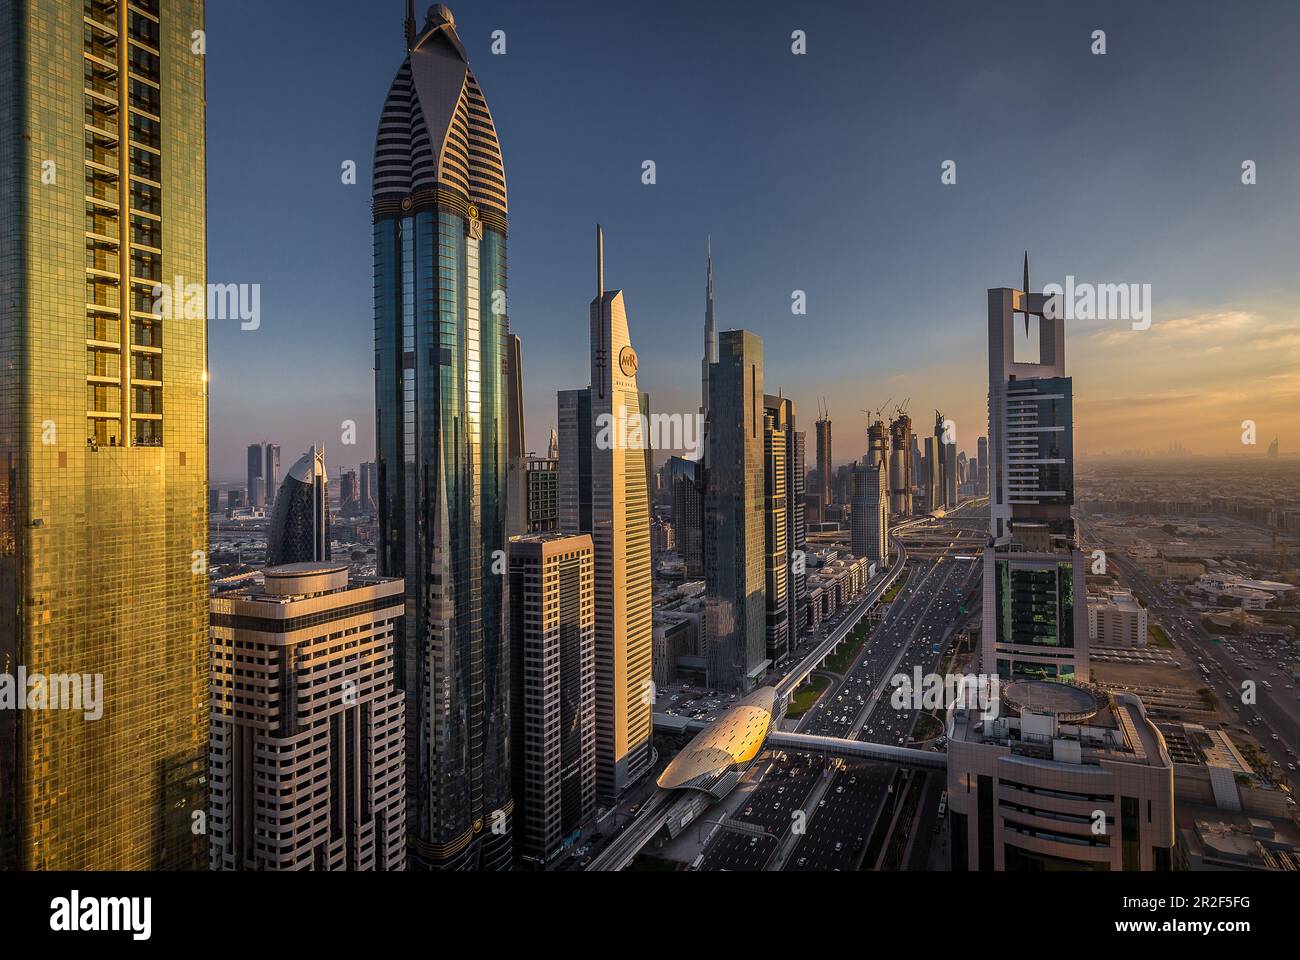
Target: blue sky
[(818, 173)]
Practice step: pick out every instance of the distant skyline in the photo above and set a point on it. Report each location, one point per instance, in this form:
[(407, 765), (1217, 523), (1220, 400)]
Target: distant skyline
[(818, 173)]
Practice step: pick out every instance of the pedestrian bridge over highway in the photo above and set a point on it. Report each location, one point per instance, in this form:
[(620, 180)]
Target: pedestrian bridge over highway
[(809, 743), (710, 766)]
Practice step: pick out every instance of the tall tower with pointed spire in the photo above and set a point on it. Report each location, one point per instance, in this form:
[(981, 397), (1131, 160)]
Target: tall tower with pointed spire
[(710, 338), (604, 491), (1035, 591), (442, 420)]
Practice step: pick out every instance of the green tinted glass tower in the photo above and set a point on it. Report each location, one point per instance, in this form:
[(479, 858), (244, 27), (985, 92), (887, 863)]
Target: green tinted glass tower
[(441, 416), (103, 431)]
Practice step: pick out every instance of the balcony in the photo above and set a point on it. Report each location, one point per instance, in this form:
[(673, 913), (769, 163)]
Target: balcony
[(144, 335), (102, 295), (99, 226), (102, 14), (101, 43), (100, 258), (101, 120)]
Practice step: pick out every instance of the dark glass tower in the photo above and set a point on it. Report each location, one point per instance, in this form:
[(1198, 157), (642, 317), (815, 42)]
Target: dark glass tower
[(734, 539), (441, 421), (300, 524)]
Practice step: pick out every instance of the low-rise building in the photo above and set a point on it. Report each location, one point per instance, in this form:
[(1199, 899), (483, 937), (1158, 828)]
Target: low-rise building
[(1116, 619)]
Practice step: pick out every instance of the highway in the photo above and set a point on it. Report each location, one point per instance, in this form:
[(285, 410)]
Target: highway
[(844, 623), (843, 798), (844, 817)]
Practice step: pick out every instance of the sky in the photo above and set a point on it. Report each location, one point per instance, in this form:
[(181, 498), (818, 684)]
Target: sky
[(820, 173)]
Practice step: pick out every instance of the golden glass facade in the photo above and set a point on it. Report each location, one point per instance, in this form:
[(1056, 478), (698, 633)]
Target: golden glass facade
[(103, 429)]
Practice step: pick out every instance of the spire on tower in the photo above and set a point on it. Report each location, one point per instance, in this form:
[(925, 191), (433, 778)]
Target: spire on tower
[(410, 24), (710, 267), (600, 262), (1026, 291)]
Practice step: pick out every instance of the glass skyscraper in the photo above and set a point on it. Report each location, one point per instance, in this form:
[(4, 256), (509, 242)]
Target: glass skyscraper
[(299, 531), (441, 419), (734, 539), (103, 420)]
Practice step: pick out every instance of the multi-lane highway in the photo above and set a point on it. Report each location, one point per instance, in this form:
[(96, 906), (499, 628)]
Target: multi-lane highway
[(837, 803), (924, 615)]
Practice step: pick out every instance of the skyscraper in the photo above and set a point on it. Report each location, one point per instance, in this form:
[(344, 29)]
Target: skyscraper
[(710, 339), (900, 466), (368, 478), (103, 415), (982, 472), (271, 473), (778, 438), (256, 479), (950, 476), (553, 690), (349, 494), (541, 494), (1035, 597), (933, 474), (308, 762), (300, 524), (686, 482), (516, 482), (604, 491), (441, 419), (735, 614), (948, 464), (869, 521), (824, 471), (798, 535)]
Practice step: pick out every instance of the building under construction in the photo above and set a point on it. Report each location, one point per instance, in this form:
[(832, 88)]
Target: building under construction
[(900, 465)]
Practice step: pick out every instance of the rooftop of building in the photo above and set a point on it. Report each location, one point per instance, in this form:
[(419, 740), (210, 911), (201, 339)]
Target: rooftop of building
[(1252, 842), (1193, 744), (292, 582), (1072, 723), (1067, 702), (1119, 599)]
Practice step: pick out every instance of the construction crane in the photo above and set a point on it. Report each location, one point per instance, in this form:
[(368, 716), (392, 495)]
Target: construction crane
[(879, 412)]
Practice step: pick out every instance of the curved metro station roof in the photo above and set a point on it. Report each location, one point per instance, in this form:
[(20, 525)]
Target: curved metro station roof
[(729, 743)]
